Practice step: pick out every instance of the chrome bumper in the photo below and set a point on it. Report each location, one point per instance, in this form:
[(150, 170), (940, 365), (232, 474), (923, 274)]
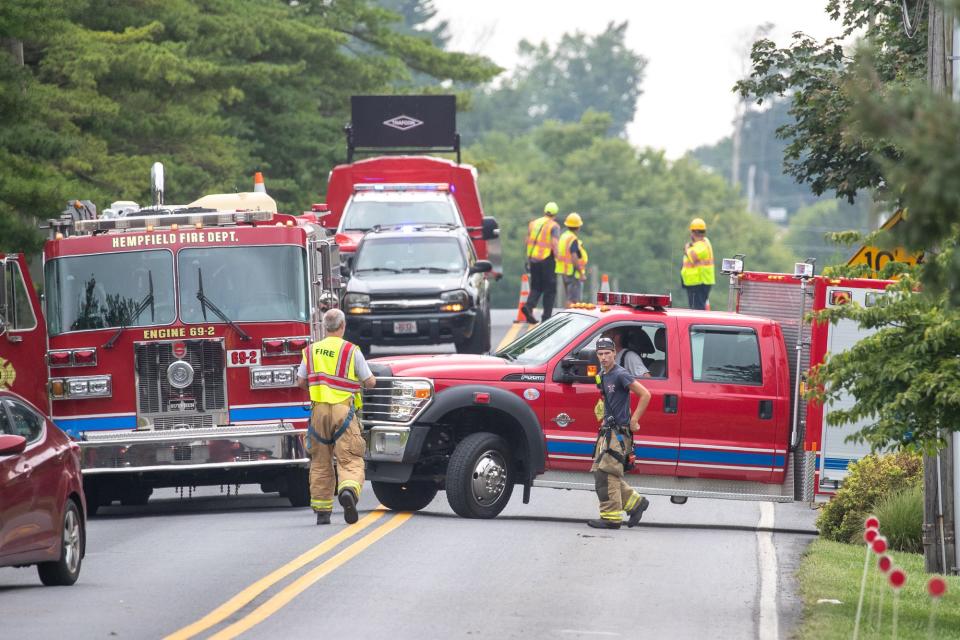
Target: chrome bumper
[(189, 449), (386, 442)]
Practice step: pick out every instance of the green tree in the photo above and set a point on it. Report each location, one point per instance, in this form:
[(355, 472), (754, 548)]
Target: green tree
[(580, 73), (636, 204)]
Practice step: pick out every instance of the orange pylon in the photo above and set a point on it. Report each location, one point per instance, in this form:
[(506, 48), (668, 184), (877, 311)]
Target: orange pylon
[(524, 294), (258, 185), (604, 283)]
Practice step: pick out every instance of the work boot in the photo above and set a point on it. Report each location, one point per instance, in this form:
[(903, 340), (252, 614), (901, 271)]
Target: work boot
[(323, 517), (349, 503), (528, 314), (637, 512), (600, 523)]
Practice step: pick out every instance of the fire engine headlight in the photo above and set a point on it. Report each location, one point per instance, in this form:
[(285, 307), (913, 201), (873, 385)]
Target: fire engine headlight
[(81, 387), (454, 300), (273, 377), (356, 303)]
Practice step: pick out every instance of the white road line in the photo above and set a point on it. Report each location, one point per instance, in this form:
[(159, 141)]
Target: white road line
[(768, 625), (580, 632)]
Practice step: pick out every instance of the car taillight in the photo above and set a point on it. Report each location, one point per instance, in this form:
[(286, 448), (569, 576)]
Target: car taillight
[(60, 358), (86, 357)]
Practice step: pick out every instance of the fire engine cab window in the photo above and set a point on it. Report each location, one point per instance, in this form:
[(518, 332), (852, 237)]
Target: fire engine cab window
[(364, 215), (19, 310), (26, 423), (726, 355), (131, 289), (247, 284)]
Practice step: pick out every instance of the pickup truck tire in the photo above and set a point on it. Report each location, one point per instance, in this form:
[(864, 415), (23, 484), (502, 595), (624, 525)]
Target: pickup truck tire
[(479, 477), (135, 496), (408, 496), (298, 487)]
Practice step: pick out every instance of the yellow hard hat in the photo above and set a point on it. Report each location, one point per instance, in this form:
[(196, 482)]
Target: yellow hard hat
[(697, 224), (573, 220), (551, 209)]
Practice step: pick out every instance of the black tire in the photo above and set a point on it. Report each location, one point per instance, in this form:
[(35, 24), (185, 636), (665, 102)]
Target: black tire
[(364, 348), (66, 570), (298, 487), (136, 496), (479, 341), (409, 496), (479, 476), (91, 491)]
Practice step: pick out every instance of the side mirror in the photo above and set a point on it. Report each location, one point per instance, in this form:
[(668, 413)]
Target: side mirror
[(329, 266), (491, 229), (11, 445), (481, 266), (579, 367)]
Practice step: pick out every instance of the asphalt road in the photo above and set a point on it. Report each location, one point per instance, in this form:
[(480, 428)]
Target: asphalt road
[(216, 565)]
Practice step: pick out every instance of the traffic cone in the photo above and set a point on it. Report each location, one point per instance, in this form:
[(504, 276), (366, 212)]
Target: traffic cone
[(524, 294), (604, 283), (706, 307), (258, 186)]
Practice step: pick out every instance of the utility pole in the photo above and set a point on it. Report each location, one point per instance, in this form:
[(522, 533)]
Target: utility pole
[(941, 484)]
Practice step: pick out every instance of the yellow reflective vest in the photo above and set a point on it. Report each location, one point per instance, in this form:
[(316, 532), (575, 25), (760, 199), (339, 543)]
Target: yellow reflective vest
[(331, 371), (539, 236), (567, 263), (697, 263)]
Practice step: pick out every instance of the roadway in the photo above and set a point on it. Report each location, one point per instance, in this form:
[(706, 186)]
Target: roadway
[(217, 565)]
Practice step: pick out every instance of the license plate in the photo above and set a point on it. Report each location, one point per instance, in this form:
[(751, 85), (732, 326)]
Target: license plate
[(406, 326)]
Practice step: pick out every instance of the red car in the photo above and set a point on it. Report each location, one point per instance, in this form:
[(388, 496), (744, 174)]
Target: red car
[(42, 506)]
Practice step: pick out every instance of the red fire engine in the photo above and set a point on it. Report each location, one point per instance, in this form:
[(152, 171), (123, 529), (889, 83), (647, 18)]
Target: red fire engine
[(724, 420), (170, 341)]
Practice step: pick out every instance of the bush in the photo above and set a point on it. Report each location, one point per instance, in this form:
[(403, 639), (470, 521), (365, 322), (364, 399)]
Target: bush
[(871, 479), (901, 519)]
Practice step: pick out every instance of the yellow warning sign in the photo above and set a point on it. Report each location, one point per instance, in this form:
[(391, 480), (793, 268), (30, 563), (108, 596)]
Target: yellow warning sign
[(877, 258), (7, 374)]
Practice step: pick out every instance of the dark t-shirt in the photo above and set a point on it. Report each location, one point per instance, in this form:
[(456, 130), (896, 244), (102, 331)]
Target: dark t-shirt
[(616, 389)]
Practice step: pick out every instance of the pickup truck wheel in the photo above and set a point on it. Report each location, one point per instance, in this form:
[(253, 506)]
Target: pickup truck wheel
[(409, 496), (479, 480)]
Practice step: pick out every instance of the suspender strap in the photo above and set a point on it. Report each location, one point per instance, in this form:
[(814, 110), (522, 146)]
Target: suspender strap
[(339, 432)]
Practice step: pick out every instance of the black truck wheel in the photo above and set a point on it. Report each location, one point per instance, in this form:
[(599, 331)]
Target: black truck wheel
[(479, 478), (298, 487), (479, 341), (408, 496)]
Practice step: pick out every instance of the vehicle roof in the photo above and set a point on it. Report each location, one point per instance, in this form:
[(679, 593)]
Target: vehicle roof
[(624, 312)]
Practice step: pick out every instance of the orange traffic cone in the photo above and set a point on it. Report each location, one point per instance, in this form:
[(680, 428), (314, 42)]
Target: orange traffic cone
[(258, 186), (604, 283), (706, 307), (524, 294)]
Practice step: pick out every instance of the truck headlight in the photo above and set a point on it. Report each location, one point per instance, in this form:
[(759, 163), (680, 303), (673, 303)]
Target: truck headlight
[(80, 387), (457, 300), (356, 303), (407, 398), (273, 377)]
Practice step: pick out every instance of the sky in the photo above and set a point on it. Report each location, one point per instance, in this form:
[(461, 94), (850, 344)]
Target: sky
[(696, 50)]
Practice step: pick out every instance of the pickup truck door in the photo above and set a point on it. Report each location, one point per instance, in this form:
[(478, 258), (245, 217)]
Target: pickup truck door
[(732, 412), (570, 419), (23, 334)]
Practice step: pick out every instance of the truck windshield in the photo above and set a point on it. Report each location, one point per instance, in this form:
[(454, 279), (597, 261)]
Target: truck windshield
[(363, 215), (249, 284), (547, 339), (410, 254), (104, 291)]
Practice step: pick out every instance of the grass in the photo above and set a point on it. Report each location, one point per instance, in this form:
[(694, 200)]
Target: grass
[(902, 516), (832, 570)]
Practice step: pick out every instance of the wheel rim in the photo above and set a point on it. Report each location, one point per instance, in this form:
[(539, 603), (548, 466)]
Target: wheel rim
[(71, 541), (489, 478)]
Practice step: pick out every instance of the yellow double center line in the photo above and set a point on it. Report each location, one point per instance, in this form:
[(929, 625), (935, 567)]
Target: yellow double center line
[(295, 588)]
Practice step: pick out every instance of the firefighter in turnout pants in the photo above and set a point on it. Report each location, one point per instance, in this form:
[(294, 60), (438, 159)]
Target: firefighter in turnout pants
[(614, 451), (334, 371)]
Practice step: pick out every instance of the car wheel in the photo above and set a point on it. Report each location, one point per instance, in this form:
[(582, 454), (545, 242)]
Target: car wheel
[(298, 487), (479, 478), (66, 570), (479, 342), (408, 496)]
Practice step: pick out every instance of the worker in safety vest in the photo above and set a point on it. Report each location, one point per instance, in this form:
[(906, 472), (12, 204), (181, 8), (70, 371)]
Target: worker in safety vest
[(543, 234), (334, 371), (697, 271), (572, 259)]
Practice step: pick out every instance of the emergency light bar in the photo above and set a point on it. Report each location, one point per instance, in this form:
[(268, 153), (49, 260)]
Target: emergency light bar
[(162, 220), (636, 300), (403, 186)]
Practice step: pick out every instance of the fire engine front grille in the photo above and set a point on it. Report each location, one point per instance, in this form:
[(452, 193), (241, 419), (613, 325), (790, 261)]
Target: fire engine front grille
[(207, 391), (161, 423)]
